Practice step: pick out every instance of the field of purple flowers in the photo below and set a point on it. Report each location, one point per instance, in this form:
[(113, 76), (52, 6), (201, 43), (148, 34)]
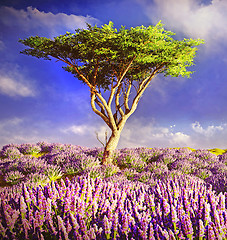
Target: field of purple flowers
[(59, 191)]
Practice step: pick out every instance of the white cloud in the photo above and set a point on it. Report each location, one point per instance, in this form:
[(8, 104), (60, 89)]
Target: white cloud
[(210, 137), (10, 122), (9, 86), (24, 130), (33, 19), (13, 83), (86, 129), (137, 134), (191, 17), (13, 131), (209, 131), (85, 134), (77, 129)]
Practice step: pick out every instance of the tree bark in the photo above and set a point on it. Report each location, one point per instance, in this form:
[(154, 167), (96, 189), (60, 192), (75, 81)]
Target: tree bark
[(110, 147)]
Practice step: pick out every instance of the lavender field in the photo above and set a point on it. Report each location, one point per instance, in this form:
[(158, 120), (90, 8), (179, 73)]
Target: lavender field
[(59, 191)]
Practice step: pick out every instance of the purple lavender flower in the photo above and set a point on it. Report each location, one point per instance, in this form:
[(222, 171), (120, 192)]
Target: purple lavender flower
[(115, 225), (74, 222), (211, 233), (27, 226), (10, 151), (174, 218), (125, 225), (13, 176), (2, 230), (23, 207), (144, 227), (166, 206), (151, 231), (221, 204), (92, 234), (107, 227), (9, 215), (207, 217), (187, 226), (201, 229), (29, 148), (62, 228)]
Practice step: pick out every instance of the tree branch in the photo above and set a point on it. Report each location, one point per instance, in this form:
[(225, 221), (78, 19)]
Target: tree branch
[(103, 116), (101, 106), (144, 84), (126, 96), (113, 88), (79, 73), (117, 105), (110, 122), (125, 71)]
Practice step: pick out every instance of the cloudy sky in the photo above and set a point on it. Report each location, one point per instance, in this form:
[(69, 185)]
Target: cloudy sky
[(39, 101)]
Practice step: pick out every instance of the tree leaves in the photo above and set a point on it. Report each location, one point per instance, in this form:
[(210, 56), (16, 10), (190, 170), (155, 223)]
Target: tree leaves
[(113, 49)]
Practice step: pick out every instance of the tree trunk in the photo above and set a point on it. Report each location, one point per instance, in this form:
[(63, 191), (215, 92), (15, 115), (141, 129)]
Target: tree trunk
[(110, 147)]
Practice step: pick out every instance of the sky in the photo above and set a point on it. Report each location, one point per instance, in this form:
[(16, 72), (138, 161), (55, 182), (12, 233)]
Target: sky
[(39, 101)]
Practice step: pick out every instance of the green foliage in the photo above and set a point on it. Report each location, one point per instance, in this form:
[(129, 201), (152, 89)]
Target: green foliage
[(13, 177), (102, 53), (53, 173)]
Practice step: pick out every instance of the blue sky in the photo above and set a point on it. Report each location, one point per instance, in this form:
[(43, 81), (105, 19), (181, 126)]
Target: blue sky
[(39, 101)]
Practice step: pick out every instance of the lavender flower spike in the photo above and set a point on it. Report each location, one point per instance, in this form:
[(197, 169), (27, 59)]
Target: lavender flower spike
[(23, 207), (207, 218), (62, 228), (188, 230), (2, 231), (107, 227), (174, 219), (201, 230)]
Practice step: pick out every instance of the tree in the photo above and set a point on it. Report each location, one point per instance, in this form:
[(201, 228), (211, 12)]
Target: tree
[(116, 60)]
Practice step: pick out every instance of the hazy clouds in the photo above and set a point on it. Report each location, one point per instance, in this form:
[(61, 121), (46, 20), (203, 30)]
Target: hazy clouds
[(191, 17), (32, 19)]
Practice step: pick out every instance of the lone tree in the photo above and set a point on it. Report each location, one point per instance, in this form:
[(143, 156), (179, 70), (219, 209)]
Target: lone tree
[(116, 60)]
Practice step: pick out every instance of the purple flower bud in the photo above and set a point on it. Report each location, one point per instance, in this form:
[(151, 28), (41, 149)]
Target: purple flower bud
[(187, 226), (62, 228), (23, 207), (211, 234), (222, 220), (92, 234), (82, 223), (174, 218), (151, 231), (51, 226), (98, 231), (2, 230), (74, 223), (66, 207), (175, 189), (207, 217), (165, 206), (125, 227), (221, 205), (171, 235), (201, 229), (26, 226), (10, 220), (95, 207), (26, 195), (107, 227)]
